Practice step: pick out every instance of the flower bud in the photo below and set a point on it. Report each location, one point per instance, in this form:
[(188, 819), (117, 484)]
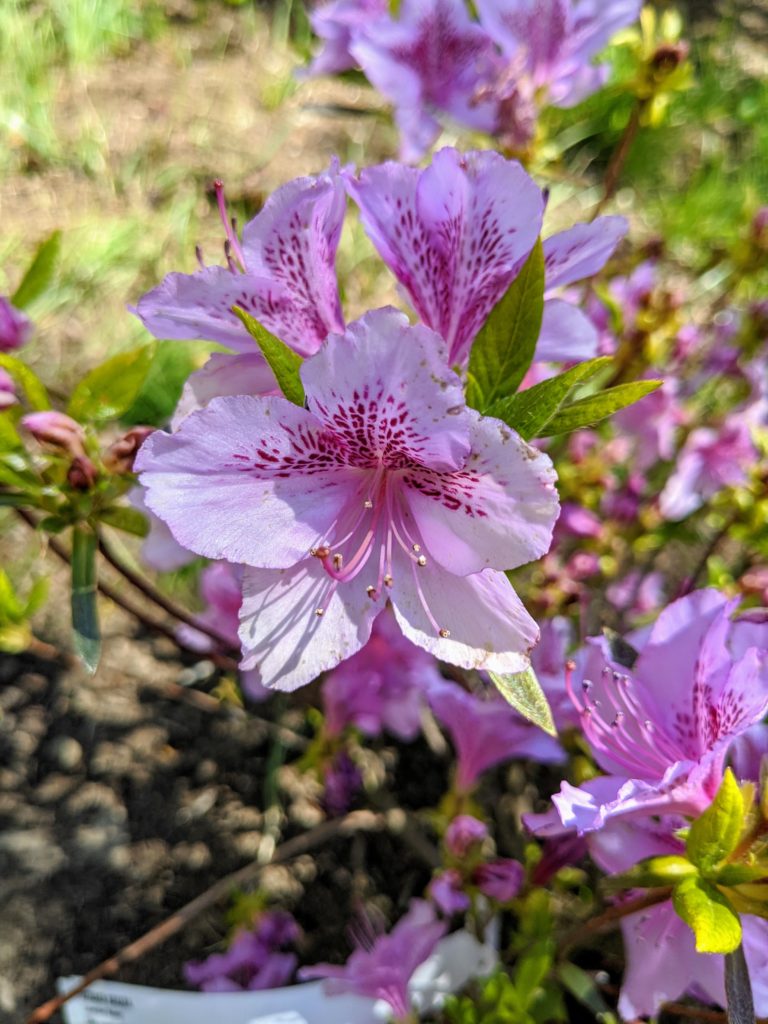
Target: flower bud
[(500, 880), (82, 473), (15, 328), (120, 456), (7, 390), (56, 429), (464, 835)]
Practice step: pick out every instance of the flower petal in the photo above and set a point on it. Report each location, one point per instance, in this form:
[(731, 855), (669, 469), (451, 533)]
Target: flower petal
[(454, 235), (247, 480), (385, 387), (488, 625), (567, 335), (225, 375), (498, 512), (582, 250), (286, 644)]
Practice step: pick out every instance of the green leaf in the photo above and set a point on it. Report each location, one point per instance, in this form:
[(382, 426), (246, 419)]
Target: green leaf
[(504, 347), (130, 520), (39, 273), (529, 411), (283, 361), (111, 388), (708, 914), (584, 988), (588, 411), (85, 619), (523, 691), (27, 380), (715, 833)]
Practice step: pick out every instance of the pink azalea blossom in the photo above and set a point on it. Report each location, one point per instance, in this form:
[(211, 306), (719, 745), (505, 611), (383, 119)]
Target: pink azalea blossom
[(282, 272), (428, 62), (338, 23), (659, 948), (662, 730), (255, 960), (384, 970), (710, 460), (457, 233), (383, 686), (15, 327), (551, 42), (385, 487), (486, 732)]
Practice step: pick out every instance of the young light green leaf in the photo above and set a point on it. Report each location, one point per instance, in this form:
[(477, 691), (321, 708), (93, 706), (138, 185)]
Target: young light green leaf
[(111, 388), (523, 691), (708, 914), (130, 520), (283, 361), (529, 411), (31, 385), (85, 620), (39, 273), (504, 347), (716, 832), (588, 411)]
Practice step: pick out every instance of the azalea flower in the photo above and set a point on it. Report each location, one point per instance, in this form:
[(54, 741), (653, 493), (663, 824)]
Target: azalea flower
[(430, 61), (282, 272), (383, 686), (549, 45), (255, 960), (662, 730), (384, 970), (457, 233), (486, 732), (385, 487), (15, 327), (338, 23), (710, 460), (659, 948)]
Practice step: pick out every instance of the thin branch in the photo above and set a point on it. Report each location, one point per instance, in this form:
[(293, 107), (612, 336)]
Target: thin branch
[(354, 822), (151, 592), (611, 917)]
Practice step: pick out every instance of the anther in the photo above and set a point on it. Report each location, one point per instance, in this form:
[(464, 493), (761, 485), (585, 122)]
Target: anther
[(444, 633), (388, 581), (421, 560)]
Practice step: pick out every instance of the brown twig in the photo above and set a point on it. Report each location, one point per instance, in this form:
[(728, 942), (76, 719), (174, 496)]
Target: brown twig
[(354, 822), (611, 917), (151, 592)]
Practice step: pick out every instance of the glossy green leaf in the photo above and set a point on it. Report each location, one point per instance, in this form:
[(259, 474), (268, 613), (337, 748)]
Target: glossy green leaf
[(716, 832), (85, 619), (130, 520), (529, 411), (27, 380), (39, 273), (708, 914), (523, 691), (283, 361), (504, 347), (588, 411), (110, 389)]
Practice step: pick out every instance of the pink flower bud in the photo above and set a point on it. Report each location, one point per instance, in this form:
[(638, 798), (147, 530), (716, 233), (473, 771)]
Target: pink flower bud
[(15, 328), (55, 428), (119, 456), (7, 390), (499, 880), (463, 834)]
